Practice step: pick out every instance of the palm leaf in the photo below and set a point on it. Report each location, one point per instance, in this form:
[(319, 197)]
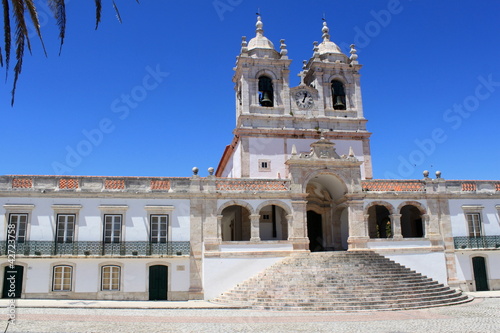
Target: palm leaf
[(117, 12), (98, 9), (21, 39), (34, 19), (7, 34), (58, 8)]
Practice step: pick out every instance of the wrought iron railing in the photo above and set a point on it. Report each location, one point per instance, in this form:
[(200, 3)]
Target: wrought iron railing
[(83, 248), (481, 242)]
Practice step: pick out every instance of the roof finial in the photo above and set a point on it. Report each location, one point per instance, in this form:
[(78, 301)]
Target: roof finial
[(325, 30), (259, 25)]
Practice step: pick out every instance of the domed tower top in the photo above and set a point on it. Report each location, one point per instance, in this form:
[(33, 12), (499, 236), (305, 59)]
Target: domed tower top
[(260, 46), (327, 46), (260, 41)]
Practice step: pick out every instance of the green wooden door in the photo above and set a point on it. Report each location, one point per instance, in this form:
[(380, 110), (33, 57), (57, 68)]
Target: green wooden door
[(158, 282), (480, 275), (12, 282)]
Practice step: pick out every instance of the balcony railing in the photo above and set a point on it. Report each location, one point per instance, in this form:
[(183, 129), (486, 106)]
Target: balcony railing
[(83, 248), (481, 242)]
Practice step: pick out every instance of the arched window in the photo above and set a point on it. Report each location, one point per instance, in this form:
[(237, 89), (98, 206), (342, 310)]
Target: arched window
[(61, 280), (338, 95), (266, 91), (235, 224), (379, 223), (110, 278), (411, 222)]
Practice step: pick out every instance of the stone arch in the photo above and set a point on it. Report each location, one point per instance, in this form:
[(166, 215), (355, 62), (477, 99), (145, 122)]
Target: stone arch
[(235, 222), (327, 173), (417, 204), (266, 72), (338, 78), (324, 214), (235, 203), (412, 219), (378, 219), (278, 203), (273, 220), (386, 204)]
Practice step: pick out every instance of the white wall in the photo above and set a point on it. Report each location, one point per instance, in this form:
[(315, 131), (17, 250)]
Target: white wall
[(87, 275), (222, 274), (433, 265), (89, 225), (489, 215)]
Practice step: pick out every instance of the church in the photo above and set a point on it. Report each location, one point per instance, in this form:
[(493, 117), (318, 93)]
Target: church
[(296, 180)]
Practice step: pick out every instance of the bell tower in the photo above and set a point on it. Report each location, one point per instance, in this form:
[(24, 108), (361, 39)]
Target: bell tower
[(261, 80), (272, 117)]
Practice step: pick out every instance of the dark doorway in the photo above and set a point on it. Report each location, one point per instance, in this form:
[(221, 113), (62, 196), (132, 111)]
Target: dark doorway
[(315, 231), (12, 282), (158, 282), (480, 275)]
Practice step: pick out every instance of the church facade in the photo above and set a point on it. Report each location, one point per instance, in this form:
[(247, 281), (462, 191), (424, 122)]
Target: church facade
[(297, 177)]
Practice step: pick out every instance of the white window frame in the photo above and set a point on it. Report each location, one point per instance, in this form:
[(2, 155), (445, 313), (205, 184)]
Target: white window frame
[(19, 209), (65, 238), (153, 210), (19, 238), (66, 278), (110, 278), (115, 233), (264, 165), (474, 225), (155, 235)]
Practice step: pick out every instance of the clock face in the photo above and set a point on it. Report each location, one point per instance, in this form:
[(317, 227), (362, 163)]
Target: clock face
[(304, 99)]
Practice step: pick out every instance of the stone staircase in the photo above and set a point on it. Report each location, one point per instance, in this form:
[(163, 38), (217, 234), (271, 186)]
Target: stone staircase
[(339, 281)]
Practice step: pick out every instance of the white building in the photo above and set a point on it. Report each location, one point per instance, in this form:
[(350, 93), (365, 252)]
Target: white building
[(297, 177)]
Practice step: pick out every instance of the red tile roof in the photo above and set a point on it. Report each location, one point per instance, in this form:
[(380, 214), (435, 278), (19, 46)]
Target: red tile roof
[(251, 185), (393, 186)]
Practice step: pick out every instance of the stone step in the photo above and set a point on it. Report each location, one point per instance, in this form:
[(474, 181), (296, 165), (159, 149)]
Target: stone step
[(346, 281)]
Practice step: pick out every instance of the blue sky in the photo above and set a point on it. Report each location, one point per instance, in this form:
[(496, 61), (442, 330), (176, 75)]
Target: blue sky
[(430, 84)]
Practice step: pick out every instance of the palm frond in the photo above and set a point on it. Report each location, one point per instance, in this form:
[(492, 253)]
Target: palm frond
[(117, 12), (21, 39), (58, 8), (98, 10), (7, 34), (34, 19)]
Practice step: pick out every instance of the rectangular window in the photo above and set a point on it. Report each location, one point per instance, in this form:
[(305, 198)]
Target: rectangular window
[(110, 278), (474, 223), (159, 227), (112, 228), (65, 228), (264, 165), (62, 278), (20, 222)]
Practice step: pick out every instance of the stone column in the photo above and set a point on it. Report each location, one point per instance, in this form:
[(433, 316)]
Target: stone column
[(367, 224), (255, 228), (358, 236), (299, 227), (396, 226), (289, 223)]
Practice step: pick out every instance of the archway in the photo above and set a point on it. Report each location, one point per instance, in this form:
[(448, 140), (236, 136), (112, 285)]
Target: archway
[(315, 231), (411, 222), (379, 222), (273, 224), (326, 214), (235, 224)]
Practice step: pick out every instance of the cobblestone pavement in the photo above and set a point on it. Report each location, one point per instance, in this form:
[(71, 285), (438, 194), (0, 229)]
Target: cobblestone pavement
[(480, 315)]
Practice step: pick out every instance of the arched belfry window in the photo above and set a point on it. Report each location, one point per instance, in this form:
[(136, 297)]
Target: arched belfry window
[(266, 91), (338, 95)]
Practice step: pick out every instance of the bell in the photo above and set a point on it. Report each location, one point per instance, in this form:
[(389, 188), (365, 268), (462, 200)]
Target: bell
[(265, 100), (339, 104)]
